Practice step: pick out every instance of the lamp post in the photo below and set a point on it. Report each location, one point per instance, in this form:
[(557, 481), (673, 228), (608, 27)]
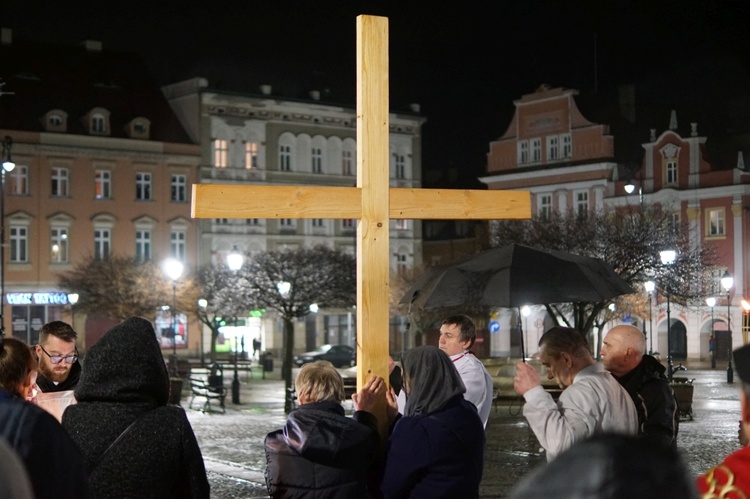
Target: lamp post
[(526, 311), (711, 302), (8, 166), (667, 258), (727, 282), (173, 268), (650, 286), (202, 303), (234, 262)]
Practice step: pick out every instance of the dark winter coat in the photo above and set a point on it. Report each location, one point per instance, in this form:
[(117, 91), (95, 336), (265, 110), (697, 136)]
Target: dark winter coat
[(658, 414), (47, 385), (435, 456), (320, 453), (126, 380), (52, 460)]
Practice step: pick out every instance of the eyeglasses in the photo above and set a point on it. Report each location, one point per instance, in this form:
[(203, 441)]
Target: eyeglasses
[(56, 359)]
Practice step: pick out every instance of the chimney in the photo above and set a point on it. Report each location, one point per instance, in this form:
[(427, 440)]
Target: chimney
[(673, 120), (652, 137), (265, 89), (693, 129), (740, 160), (315, 94), (415, 107), (6, 36), (92, 45)]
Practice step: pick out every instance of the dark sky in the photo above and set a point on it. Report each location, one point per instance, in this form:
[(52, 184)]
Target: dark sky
[(464, 62)]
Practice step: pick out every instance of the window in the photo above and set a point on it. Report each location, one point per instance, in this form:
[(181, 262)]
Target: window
[(58, 245), (401, 264), (19, 180), (714, 282), (60, 182), (143, 186), (220, 153), (102, 243), (553, 151), (251, 155), (252, 221), (103, 184), (402, 224), (19, 244), (317, 160), (347, 223), (400, 166), (177, 245), (179, 188), (567, 145), (715, 222), (143, 245), (288, 223), (582, 203), (318, 223), (523, 152), (347, 163), (536, 150), (285, 158), (544, 206), (670, 172), (98, 123)]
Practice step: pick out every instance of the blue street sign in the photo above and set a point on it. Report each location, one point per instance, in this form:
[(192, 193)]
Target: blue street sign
[(494, 326)]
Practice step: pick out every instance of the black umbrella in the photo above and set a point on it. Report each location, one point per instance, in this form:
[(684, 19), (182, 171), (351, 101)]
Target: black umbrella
[(516, 275)]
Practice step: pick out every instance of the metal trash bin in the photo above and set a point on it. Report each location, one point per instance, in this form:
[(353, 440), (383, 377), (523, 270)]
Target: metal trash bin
[(267, 360), (216, 376)]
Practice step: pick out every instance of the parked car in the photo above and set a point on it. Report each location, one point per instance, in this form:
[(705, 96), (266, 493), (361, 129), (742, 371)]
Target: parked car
[(338, 355)]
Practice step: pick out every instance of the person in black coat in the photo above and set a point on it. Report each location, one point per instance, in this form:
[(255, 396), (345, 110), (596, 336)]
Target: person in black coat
[(644, 378), (133, 443), (320, 453), (436, 449), (53, 462)]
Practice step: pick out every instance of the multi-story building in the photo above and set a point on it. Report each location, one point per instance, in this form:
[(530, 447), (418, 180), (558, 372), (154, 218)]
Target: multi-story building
[(566, 161), (264, 138), (103, 167)]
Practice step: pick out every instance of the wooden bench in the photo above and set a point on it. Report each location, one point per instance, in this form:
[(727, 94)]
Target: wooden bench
[(201, 389)]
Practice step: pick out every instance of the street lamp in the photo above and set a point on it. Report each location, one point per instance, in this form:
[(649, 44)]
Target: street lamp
[(8, 166), (650, 286), (234, 262), (711, 302), (526, 311), (202, 303), (668, 258), (173, 268), (727, 281)]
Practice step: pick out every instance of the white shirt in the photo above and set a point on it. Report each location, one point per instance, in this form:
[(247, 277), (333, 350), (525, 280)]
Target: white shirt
[(594, 403), (478, 382)]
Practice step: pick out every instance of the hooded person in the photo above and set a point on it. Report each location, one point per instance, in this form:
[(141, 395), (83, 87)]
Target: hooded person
[(133, 443), (436, 449)]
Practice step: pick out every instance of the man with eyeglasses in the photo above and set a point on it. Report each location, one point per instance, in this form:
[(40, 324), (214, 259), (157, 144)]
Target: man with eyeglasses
[(56, 352)]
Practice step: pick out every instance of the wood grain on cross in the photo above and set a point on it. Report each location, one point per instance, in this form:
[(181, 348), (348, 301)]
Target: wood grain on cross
[(372, 201)]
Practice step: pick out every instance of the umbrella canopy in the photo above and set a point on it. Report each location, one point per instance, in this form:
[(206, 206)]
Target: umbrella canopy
[(516, 275)]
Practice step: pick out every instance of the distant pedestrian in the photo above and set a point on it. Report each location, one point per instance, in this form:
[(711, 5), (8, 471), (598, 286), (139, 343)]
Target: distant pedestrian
[(731, 478), (592, 400), (457, 336), (133, 443), (256, 348)]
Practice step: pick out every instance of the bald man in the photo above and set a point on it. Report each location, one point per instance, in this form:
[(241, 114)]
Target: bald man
[(645, 380)]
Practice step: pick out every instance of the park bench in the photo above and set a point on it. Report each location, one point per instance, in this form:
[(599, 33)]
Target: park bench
[(201, 389)]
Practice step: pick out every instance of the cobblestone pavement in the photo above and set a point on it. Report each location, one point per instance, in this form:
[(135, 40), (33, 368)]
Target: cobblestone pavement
[(232, 443)]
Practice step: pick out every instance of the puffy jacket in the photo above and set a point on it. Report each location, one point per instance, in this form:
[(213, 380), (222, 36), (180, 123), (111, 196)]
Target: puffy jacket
[(320, 453)]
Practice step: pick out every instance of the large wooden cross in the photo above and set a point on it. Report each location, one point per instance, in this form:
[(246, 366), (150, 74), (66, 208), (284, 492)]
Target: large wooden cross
[(372, 201)]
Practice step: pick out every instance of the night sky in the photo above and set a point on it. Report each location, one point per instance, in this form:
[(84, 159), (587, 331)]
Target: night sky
[(464, 62)]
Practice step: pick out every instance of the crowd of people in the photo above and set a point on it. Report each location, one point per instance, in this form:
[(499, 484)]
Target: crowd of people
[(614, 424)]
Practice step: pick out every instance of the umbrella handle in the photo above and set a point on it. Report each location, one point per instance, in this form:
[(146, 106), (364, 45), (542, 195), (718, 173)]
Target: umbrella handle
[(520, 330)]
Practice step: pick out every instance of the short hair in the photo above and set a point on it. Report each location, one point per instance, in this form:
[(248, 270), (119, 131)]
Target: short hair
[(59, 329), (464, 322), (320, 381), (558, 339), (16, 361)]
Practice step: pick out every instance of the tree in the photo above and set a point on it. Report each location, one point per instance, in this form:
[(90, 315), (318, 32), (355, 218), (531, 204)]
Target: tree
[(289, 281), (628, 239), (121, 286), (226, 299)]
